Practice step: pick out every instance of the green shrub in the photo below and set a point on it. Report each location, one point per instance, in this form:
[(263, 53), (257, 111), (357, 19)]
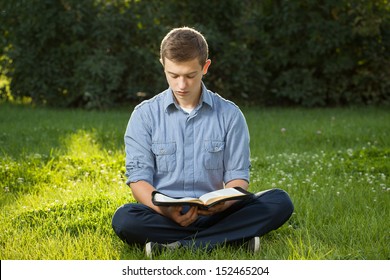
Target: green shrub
[(96, 54), (73, 53)]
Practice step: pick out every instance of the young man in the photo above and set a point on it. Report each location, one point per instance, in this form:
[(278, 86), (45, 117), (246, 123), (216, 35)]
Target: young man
[(187, 141)]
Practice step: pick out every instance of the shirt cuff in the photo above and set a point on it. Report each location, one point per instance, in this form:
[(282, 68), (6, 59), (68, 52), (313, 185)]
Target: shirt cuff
[(236, 174)]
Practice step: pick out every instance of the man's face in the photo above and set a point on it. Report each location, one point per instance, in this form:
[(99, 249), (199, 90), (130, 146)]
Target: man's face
[(184, 78)]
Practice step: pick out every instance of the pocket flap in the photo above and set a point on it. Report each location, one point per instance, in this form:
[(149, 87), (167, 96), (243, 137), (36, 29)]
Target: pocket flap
[(213, 146), (164, 148)]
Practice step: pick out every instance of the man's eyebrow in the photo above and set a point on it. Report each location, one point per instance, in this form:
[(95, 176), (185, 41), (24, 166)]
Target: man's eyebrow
[(191, 73)]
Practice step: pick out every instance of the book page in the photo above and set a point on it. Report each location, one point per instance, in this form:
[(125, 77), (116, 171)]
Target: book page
[(163, 198), (220, 194)]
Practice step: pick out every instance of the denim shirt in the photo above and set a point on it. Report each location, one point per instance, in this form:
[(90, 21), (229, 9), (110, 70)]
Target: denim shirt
[(187, 154)]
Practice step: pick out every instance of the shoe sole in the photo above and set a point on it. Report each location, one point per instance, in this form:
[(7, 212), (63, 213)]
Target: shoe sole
[(148, 249), (257, 244)]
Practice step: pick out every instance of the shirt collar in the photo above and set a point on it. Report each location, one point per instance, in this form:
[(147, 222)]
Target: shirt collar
[(205, 97)]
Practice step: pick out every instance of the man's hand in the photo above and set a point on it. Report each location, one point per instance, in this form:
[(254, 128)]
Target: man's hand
[(175, 214), (142, 191), (220, 207)]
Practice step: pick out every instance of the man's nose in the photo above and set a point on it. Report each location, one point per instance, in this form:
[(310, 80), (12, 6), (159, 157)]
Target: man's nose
[(182, 83)]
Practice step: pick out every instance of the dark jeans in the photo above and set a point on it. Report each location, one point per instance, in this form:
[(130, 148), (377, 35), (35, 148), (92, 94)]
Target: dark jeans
[(137, 224)]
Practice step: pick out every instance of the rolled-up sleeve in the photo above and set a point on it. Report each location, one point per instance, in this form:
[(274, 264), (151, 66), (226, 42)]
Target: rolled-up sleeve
[(237, 151), (139, 156)]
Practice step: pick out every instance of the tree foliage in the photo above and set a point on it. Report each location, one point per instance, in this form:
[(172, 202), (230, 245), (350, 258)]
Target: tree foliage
[(97, 53)]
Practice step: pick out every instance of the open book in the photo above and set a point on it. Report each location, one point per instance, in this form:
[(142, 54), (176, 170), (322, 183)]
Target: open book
[(205, 201)]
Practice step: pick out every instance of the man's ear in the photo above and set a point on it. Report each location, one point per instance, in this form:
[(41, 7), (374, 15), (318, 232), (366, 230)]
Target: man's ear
[(206, 66)]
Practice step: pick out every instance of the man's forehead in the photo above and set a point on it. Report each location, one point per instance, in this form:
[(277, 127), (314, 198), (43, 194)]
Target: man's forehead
[(185, 67)]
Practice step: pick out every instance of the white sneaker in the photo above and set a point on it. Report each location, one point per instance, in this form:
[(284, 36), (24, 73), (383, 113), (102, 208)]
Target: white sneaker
[(154, 249), (254, 245)]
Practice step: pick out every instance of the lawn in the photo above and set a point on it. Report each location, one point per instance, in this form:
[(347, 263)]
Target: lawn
[(62, 177)]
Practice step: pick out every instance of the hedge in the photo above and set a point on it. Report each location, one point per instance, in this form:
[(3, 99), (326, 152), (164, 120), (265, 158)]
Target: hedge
[(98, 54)]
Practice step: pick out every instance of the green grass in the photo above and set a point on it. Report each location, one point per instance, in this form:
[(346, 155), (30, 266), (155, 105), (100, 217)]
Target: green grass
[(62, 177)]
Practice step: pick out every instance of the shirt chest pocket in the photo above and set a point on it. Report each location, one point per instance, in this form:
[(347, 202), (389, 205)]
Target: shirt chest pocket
[(213, 158), (165, 154)]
